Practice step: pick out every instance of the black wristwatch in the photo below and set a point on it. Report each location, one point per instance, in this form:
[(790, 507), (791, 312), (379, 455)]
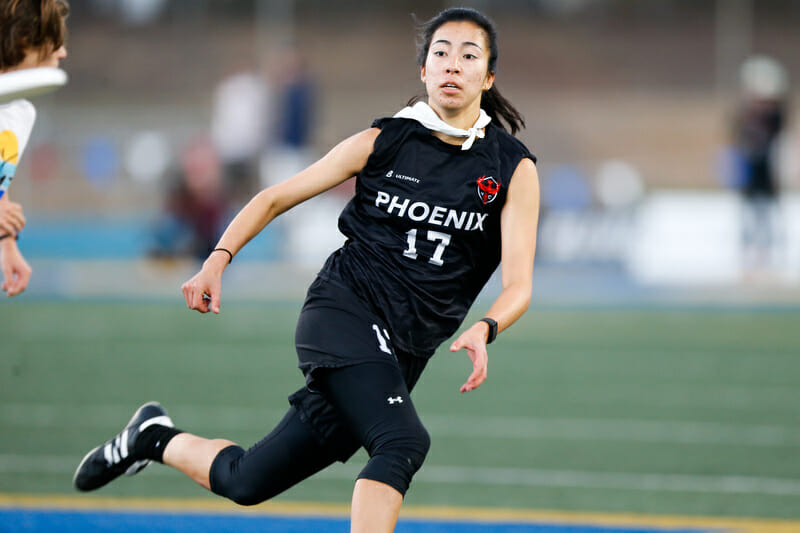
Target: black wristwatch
[(492, 329)]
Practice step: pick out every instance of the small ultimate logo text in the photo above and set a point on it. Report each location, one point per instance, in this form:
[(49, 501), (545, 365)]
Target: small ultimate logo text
[(401, 177), (393, 401), (487, 189)]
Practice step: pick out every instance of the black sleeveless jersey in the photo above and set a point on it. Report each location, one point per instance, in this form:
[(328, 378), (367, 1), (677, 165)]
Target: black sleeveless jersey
[(423, 229)]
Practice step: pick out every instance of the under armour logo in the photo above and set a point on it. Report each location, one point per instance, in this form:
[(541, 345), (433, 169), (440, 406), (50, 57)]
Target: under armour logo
[(393, 401)]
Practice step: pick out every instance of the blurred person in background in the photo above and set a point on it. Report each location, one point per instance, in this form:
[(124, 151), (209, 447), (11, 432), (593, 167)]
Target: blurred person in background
[(306, 234), (239, 115), (760, 120), (443, 195), (196, 205), (296, 105), (288, 145), (32, 34)]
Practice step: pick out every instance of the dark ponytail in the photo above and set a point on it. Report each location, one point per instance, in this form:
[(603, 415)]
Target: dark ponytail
[(498, 107), (494, 103)]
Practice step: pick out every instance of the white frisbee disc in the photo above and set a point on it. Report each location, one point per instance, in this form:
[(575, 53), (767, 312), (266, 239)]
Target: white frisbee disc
[(30, 82)]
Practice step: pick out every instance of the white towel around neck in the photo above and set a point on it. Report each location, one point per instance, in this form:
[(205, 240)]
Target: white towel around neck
[(422, 113)]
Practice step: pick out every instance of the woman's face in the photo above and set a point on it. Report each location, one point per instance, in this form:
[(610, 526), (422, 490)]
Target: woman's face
[(456, 70), (33, 58)]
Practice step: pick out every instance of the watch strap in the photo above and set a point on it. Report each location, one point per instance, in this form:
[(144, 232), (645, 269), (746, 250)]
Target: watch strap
[(492, 329)]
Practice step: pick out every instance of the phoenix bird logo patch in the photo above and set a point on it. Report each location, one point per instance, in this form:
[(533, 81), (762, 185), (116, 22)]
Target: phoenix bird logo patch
[(487, 189)]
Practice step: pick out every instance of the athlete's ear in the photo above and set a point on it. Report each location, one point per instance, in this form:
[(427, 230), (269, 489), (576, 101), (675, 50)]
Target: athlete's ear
[(489, 81), (422, 73)]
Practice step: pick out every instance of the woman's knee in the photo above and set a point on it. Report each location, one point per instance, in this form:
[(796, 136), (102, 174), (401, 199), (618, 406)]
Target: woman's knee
[(289, 454), (396, 458), (418, 445), (225, 482)]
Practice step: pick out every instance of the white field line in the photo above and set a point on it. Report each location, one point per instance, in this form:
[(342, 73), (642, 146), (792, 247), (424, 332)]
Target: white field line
[(611, 480), (659, 396), (683, 432), (682, 395), (489, 476), (52, 417)]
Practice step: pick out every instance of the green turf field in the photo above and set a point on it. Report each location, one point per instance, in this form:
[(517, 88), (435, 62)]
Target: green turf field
[(646, 411)]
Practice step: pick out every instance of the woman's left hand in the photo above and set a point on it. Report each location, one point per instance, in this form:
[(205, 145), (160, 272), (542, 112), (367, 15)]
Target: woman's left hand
[(474, 341)]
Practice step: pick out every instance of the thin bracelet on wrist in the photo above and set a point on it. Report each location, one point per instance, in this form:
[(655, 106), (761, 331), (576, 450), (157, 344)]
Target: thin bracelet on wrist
[(226, 251)]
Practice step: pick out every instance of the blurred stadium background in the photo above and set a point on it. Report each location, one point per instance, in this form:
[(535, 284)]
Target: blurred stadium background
[(630, 107), (658, 369)]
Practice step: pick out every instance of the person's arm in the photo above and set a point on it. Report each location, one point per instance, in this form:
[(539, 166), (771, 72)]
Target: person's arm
[(343, 162), (16, 271), (518, 223), (12, 219)]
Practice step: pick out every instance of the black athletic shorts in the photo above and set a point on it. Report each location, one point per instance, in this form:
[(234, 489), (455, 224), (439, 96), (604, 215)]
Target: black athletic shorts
[(335, 329)]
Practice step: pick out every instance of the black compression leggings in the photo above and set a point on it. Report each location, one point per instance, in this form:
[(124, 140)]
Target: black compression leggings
[(373, 407)]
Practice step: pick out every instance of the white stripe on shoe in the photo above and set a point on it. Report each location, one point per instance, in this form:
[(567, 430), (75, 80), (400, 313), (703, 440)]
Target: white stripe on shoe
[(162, 420), (123, 447), (117, 450)]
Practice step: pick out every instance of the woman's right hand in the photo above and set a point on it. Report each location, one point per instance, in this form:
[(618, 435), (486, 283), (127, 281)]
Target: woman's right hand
[(15, 270), (203, 291)]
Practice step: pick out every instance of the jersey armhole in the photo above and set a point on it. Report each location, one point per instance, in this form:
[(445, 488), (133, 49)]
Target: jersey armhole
[(386, 141)]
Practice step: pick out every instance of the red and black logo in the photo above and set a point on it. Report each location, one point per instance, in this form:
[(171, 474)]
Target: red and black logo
[(487, 189)]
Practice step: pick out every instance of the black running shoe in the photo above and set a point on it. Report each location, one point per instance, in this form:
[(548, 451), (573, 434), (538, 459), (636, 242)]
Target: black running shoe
[(114, 458)]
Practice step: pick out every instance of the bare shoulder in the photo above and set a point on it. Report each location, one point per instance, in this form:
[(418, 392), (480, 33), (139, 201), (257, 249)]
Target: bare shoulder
[(353, 152), (363, 140), (525, 180), (526, 167)]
